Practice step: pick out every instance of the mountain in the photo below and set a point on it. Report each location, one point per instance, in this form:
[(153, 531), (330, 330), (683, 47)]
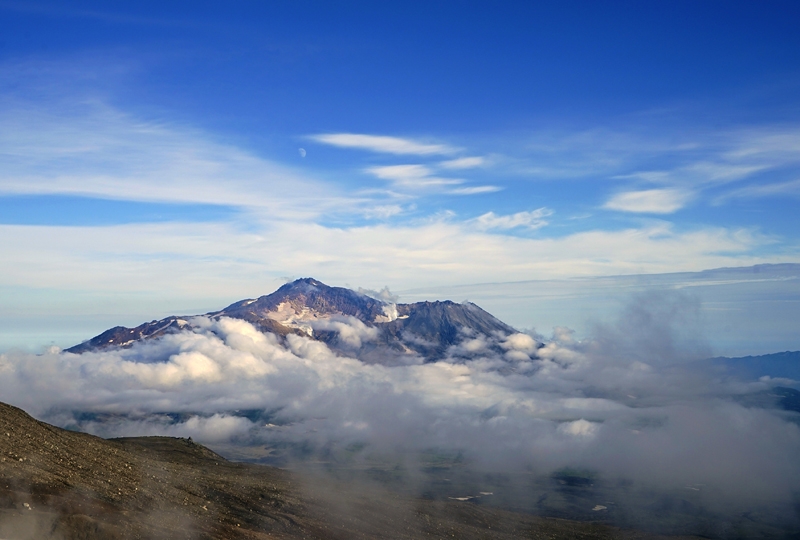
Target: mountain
[(62, 485), (782, 365), (381, 332)]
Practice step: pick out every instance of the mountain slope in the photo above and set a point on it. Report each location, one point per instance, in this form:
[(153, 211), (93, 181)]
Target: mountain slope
[(73, 484), (61, 485), (387, 333)]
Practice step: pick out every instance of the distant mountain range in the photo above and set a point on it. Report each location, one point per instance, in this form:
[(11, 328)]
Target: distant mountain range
[(392, 333), (782, 365)]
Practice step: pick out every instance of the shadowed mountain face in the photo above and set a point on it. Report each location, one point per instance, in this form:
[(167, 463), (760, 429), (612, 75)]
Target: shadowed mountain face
[(58, 484), (350, 322)]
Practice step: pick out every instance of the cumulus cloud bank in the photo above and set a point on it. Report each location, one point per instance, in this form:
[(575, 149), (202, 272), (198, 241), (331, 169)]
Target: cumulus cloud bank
[(627, 403)]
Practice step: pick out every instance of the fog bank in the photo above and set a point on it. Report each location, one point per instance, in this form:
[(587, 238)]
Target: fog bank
[(628, 403)]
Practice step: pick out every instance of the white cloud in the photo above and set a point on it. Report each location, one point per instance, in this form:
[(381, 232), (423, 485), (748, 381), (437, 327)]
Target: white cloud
[(520, 342), (579, 428), (384, 144), (534, 219), (383, 211), (521, 413), (224, 261), (400, 172), (651, 201), (418, 177), (352, 333), (764, 145), (463, 163), (653, 177), (720, 159), (791, 188), (101, 152), (411, 175), (590, 153), (384, 295), (475, 190), (698, 174), (687, 167), (720, 173)]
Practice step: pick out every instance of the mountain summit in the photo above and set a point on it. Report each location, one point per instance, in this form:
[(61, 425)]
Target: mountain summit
[(348, 321)]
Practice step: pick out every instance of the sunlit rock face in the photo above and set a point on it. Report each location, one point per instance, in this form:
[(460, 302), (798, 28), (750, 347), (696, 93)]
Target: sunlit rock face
[(352, 323)]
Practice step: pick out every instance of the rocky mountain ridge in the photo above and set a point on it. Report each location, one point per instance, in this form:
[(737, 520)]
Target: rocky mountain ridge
[(348, 321)]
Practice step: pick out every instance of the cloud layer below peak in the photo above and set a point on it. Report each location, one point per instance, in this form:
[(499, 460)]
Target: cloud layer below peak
[(624, 403)]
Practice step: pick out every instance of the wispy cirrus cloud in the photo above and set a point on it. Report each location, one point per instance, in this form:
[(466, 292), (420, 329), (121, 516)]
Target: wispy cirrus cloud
[(417, 177), (759, 158), (383, 211), (659, 172), (475, 190), (463, 163), (383, 144), (699, 174), (532, 220), (649, 201), (98, 151), (765, 145), (791, 188)]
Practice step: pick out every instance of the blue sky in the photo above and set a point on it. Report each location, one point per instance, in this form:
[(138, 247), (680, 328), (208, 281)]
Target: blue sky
[(171, 158)]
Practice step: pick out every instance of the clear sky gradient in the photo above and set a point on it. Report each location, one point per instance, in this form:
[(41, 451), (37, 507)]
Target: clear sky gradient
[(173, 157)]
